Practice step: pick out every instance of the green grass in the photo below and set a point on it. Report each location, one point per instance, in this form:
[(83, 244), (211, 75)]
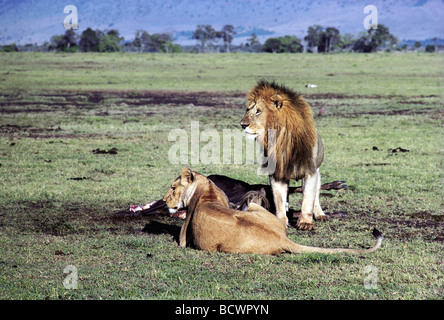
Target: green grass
[(56, 108), (382, 73)]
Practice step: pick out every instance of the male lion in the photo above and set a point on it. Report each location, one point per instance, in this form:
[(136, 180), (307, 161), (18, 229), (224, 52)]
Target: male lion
[(297, 149), (213, 226)]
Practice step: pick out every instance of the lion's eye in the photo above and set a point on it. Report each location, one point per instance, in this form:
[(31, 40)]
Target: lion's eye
[(172, 188), (258, 111)]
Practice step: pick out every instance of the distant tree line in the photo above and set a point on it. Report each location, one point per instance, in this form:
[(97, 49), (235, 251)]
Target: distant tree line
[(156, 42), (107, 41), (89, 41), (208, 37), (318, 39)]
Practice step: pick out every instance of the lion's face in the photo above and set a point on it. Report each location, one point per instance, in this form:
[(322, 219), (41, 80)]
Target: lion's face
[(260, 112), (255, 119)]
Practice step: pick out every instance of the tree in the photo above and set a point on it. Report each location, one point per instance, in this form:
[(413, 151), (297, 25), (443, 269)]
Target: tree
[(110, 42), (292, 44), (153, 43), (137, 42), (89, 40), (346, 41), (384, 38), (227, 35), (161, 42), (206, 35), (272, 45), (363, 43), (56, 43), (331, 38), (324, 40), (375, 39), (253, 43), (64, 42), (9, 48), (253, 40), (287, 43), (435, 42), (313, 37), (430, 48), (143, 41)]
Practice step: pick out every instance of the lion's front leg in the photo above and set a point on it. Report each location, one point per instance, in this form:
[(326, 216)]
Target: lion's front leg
[(317, 210), (280, 193), (309, 190)]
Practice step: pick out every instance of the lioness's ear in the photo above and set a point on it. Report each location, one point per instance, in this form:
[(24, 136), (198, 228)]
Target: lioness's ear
[(277, 101), (186, 176)]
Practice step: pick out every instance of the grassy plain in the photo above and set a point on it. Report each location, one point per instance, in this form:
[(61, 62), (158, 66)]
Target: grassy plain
[(58, 198)]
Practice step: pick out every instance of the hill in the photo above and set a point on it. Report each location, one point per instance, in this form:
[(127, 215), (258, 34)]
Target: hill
[(26, 21)]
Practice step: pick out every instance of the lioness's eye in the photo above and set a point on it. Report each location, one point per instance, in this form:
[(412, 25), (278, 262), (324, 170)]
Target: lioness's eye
[(172, 188), (258, 111)]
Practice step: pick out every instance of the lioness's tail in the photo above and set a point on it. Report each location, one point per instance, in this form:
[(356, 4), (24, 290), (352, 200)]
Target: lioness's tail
[(297, 248)]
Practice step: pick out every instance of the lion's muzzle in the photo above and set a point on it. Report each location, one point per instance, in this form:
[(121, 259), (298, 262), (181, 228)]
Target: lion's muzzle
[(245, 122), (249, 135)]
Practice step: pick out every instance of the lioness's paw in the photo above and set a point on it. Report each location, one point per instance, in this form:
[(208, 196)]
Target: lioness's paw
[(285, 221)]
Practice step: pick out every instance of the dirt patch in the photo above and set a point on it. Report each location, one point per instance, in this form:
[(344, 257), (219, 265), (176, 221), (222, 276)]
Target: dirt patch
[(58, 219), (12, 130), (421, 102), (100, 151), (72, 101), (80, 178), (95, 97), (422, 225), (357, 114), (378, 164), (424, 215), (399, 149), (395, 150), (15, 131), (107, 98), (340, 96), (204, 98)]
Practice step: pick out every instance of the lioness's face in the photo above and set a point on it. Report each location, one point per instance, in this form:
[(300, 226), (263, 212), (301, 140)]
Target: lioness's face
[(176, 196), (255, 119), (173, 197)]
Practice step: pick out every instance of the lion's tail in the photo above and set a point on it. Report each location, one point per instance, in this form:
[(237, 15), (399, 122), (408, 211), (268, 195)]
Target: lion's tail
[(297, 248)]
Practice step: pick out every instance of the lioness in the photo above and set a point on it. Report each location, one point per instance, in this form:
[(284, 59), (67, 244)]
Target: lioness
[(213, 226), (297, 149)]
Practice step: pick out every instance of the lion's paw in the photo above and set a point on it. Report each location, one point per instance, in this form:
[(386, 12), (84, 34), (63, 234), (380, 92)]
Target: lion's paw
[(305, 226), (322, 218)]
